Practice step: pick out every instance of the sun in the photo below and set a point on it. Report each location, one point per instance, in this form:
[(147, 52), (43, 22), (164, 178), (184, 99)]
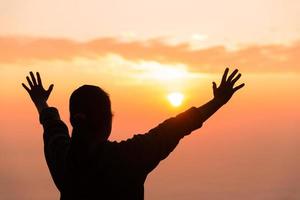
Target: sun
[(175, 98)]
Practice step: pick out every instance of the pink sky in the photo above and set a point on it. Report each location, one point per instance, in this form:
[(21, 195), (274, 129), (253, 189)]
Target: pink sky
[(231, 22)]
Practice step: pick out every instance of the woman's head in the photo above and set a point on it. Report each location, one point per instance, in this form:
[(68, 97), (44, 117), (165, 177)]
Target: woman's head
[(90, 110)]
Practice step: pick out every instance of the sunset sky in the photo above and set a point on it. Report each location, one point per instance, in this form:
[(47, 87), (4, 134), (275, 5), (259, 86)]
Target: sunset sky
[(141, 52)]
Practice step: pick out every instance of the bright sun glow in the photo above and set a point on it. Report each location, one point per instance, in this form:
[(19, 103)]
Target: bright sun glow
[(175, 98), (162, 72)]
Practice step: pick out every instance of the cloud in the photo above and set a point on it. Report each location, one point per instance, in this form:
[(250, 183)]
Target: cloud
[(252, 58)]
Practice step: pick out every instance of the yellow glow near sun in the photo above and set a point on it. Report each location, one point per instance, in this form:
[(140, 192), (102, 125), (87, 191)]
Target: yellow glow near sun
[(175, 98), (162, 72)]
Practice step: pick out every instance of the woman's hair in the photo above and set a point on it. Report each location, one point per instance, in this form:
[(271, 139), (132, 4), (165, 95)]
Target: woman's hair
[(90, 109)]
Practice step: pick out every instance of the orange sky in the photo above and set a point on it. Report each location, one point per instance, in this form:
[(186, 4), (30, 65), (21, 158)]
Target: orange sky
[(248, 150), (256, 131)]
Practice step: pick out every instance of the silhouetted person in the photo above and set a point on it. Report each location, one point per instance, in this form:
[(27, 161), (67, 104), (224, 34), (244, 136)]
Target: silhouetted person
[(88, 165)]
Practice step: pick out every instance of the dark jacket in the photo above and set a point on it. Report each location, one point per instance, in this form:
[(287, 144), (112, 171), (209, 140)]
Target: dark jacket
[(112, 170)]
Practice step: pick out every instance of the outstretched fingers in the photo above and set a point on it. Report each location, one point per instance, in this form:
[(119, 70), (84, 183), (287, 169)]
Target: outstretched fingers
[(238, 87), (39, 79), (33, 78), (225, 76), (29, 82), (236, 79), (215, 88), (232, 75), (232, 79), (32, 82), (26, 88), (50, 89)]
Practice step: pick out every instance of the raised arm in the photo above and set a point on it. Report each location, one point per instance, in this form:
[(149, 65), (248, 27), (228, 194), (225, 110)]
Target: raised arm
[(56, 134), (222, 94), (160, 141)]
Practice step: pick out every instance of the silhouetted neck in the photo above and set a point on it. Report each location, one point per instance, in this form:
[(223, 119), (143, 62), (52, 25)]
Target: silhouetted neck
[(86, 140)]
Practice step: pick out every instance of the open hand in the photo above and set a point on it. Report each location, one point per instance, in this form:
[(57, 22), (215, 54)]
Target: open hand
[(37, 92), (224, 92)]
